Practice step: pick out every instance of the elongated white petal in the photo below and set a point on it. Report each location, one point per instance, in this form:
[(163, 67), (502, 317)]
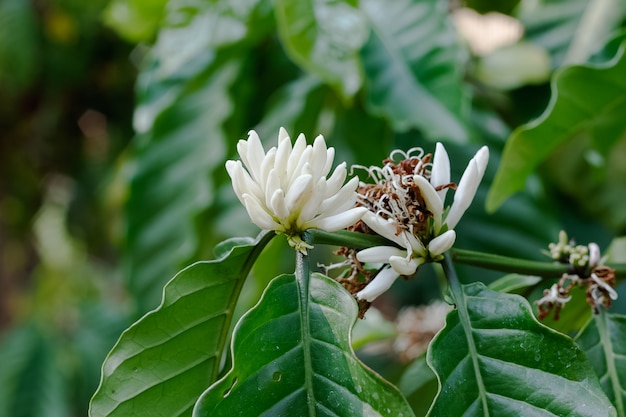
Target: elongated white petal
[(282, 158), (379, 254), (277, 204), (299, 192), (381, 283), (338, 221), (402, 265), (385, 228), (594, 254), (296, 155), (242, 182), (313, 204), (431, 198), (337, 178), (342, 200), (482, 159), (258, 215), (272, 184), (440, 173), (254, 156), (464, 194), (442, 243), (318, 157), (468, 186)]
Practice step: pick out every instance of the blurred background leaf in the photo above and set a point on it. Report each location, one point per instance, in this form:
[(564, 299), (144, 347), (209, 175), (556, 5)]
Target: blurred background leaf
[(117, 117)]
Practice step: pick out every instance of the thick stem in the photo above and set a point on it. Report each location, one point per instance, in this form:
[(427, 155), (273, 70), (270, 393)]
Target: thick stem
[(303, 278)]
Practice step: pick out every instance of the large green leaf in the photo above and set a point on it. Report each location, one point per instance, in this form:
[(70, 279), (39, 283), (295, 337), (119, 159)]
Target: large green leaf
[(586, 100), (292, 357), (571, 30), (162, 363), (324, 37), (414, 68), (171, 182), (493, 358), (603, 342)]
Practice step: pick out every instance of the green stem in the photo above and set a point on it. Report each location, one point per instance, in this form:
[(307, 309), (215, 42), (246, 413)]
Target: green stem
[(303, 278), (461, 306), (508, 264), (547, 269)]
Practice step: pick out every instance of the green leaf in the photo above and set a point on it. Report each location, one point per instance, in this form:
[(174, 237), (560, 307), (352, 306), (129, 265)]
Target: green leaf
[(171, 183), (290, 360), (603, 342), (135, 20), (493, 358), (324, 37), (19, 47), (513, 282), (177, 348), (585, 100), (571, 30), (414, 68)]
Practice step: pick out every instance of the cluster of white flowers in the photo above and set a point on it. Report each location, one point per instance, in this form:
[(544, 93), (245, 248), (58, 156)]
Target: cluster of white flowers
[(396, 218), (287, 189)]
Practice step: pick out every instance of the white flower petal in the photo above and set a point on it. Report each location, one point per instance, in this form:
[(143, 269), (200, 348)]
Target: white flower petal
[(464, 194), (342, 200), (404, 266), (296, 155), (385, 228), (318, 157), (338, 221), (431, 198), (242, 183), (312, 206), (299, 192), (277, 204), (381, 283), (337, 178), (254, 156), (442, 243), (468, 186), (258, 215), (271, 186), (440, 173), (379, 254)]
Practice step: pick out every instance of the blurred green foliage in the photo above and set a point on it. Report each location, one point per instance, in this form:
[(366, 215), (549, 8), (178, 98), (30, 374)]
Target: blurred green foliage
[(117, 118)]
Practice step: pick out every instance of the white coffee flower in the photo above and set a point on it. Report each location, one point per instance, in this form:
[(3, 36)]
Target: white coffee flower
[(407, 206), (286, 189)]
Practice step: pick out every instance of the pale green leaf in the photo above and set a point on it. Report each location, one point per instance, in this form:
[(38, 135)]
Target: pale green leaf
[(324, 37), (493, 358), (290, 360), (135, 20), (585, 100), (603, 342), (414, 68), (176, 348)]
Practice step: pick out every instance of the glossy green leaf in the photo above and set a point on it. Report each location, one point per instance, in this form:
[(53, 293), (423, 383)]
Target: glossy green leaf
[(603, 342), (585, 99), (324, 38), (414, 68), (493, 358), (289, 360), (176, 349)]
